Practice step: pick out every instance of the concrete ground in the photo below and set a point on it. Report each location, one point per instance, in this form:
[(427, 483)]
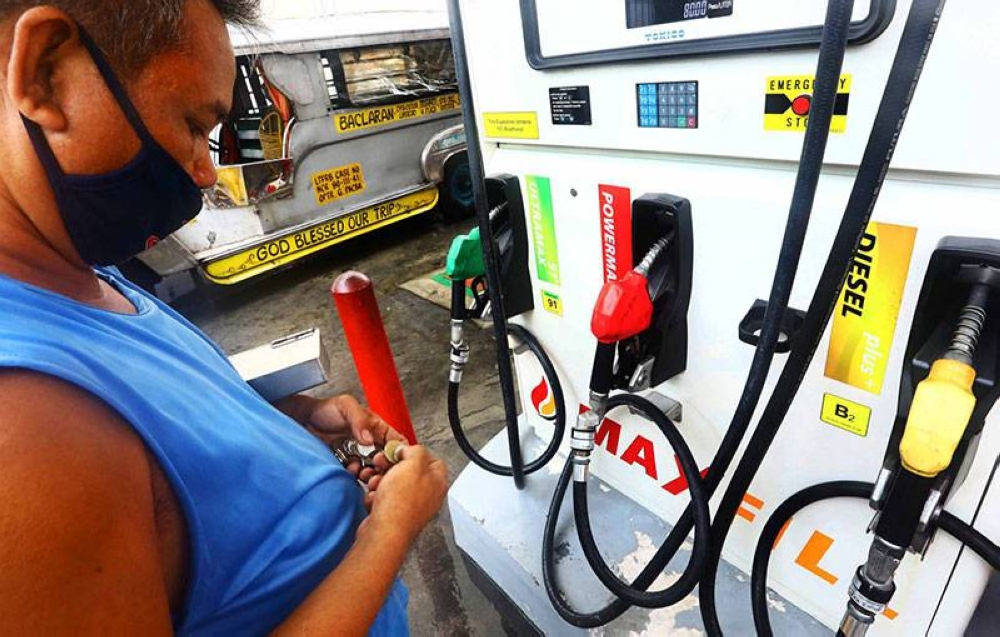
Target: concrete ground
[(443, 599)]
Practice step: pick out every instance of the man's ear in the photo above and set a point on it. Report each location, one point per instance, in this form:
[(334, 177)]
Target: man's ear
[(43, 38)]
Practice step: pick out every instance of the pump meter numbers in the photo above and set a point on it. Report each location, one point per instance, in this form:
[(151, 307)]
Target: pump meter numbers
[(668, 105)]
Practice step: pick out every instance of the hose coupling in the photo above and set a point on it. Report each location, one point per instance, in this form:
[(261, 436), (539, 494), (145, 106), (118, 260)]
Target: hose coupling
[(872, 588), (599, 404), (457, 332), (582, 444), (459, 358)]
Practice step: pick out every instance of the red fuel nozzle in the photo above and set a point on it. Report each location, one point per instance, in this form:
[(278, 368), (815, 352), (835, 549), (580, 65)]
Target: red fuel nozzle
[(623, 310)]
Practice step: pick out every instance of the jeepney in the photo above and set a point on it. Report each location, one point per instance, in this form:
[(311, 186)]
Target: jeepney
[(341, 125)]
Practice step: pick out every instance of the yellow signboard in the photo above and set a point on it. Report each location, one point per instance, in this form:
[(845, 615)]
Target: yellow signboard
[(283, 250), (845, 414), (366, 118), (338, 183), (511, 125), (788, 103), (864, 322)]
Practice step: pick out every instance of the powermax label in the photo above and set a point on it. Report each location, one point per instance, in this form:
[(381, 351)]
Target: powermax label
[(543, 229), (864, 322), (788, 103), (616, 231)]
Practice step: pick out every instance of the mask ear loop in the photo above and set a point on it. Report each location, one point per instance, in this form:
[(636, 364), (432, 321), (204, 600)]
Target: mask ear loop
[(116, 88)]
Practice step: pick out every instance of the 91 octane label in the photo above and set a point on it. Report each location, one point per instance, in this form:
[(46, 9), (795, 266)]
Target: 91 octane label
[(552, 303)]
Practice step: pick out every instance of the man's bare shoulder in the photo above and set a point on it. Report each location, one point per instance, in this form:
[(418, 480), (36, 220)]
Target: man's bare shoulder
[(78, 522), (46, 415)]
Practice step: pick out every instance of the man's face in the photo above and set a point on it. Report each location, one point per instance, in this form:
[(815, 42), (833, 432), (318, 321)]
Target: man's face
[(184, 93), (50, 78)]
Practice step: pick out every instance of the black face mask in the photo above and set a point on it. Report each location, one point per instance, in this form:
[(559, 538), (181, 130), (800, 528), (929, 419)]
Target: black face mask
[(115, 216)]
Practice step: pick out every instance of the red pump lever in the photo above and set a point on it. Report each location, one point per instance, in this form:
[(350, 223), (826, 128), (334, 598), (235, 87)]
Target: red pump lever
[(623, 310)]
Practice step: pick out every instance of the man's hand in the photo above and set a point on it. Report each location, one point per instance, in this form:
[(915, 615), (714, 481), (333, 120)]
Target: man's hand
[(409, 497), (341, 418)]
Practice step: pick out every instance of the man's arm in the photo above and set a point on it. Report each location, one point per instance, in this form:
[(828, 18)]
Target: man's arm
[(79, 544), (407, 499)]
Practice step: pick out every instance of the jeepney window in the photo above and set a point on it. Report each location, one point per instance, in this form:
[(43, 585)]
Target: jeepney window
[(250, 99), (387, 74)]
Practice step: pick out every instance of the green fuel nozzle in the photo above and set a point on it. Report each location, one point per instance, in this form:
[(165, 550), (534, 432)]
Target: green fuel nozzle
[(465, 258)]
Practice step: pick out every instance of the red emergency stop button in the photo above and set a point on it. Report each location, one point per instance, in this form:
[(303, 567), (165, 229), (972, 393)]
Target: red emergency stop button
[(801, 105)]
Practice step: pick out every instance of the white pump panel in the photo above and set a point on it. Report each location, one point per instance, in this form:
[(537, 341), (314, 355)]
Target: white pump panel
[(738, 173)]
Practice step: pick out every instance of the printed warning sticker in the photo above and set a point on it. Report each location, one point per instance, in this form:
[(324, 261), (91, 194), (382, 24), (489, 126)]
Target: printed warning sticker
[(845, 414), (338, 183), (543, 229), (511, 125), (788, 103), (864, 322)]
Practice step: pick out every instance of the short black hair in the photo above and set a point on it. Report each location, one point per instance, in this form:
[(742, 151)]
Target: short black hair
[(131, 32)]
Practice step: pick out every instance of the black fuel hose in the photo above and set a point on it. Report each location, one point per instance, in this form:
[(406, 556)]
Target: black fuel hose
[(699, 503), (549, 371), (490, 249), (918, 34), (964, 533), (832, 51)]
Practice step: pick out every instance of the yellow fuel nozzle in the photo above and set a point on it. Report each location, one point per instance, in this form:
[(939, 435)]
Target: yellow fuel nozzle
[(944, 402), (941, 410)]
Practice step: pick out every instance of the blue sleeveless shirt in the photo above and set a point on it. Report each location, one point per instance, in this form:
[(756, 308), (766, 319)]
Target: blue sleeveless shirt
[(270, 512)]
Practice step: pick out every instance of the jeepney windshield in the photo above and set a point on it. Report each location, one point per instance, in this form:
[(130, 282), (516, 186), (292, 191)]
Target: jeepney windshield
[(386, 74)]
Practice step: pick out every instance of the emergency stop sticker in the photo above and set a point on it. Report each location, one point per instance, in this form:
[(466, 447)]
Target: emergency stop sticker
[(864, 322), (846, 414), (338, 183), (788, 103)]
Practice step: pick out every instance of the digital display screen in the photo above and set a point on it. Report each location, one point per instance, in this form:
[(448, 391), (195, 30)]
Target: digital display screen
[(646, 13)]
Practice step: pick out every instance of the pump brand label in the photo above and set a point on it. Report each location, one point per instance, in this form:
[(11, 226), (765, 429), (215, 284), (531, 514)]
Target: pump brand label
[(544, 401), (616, 231), (543, 229), (788, 103), (864, 322), (338, 183), (384, 115)]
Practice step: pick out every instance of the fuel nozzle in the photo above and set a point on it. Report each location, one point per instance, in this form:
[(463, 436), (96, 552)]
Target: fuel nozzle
[(624, 309), (625, 306), (944, 402), (465, 262), (942, 408)]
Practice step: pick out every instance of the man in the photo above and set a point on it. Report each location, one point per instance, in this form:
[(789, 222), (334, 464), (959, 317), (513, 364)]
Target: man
[(144, 489)]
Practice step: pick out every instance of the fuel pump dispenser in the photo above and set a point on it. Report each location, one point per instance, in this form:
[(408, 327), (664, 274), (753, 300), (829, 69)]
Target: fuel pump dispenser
[(832, 185)]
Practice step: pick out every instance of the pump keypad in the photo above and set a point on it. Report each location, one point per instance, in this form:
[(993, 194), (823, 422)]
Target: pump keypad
[(668, 105)]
